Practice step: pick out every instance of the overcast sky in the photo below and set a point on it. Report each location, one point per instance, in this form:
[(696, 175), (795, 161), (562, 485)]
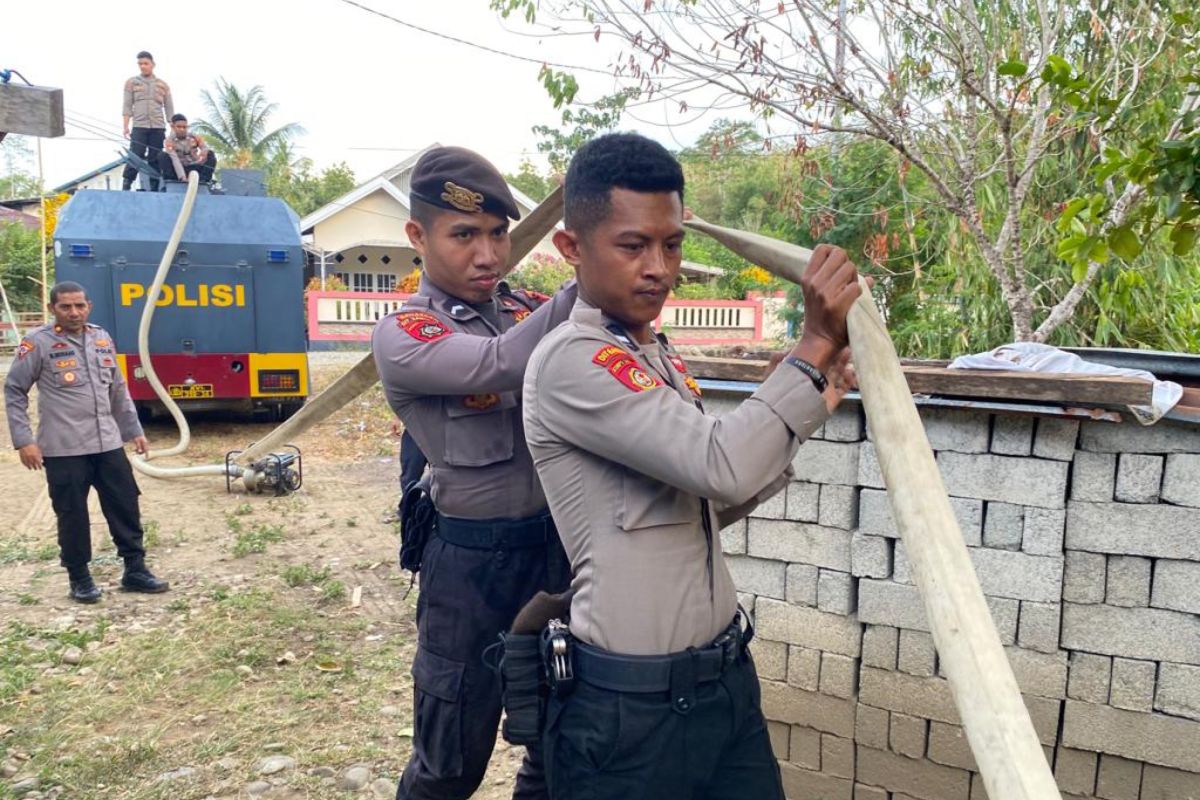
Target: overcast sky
[(367, 90)]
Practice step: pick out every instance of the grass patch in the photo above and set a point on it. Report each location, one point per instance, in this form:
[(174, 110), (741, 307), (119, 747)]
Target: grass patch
[(256, 539), (18, 551), (305, 575)]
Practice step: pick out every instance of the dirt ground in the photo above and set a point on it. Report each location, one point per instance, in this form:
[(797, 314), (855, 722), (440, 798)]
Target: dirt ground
[(285, 641)]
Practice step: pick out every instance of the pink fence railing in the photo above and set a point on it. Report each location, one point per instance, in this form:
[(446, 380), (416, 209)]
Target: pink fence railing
[(349, 317)]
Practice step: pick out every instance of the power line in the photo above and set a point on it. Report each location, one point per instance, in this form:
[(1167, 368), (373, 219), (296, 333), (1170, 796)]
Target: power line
[(475, 45)]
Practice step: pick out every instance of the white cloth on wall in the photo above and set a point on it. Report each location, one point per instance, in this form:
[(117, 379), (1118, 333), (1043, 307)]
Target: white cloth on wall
[(1033, 357)]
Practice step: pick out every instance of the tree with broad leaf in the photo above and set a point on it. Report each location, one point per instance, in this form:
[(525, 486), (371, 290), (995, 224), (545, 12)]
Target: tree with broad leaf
[(982, 99), (238, 125)]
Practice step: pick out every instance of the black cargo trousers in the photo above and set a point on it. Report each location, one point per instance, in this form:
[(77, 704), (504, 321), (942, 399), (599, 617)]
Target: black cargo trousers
[(146, 144), (470, 593), (71, 478)]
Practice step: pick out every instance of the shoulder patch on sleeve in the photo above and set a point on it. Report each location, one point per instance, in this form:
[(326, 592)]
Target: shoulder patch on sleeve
[(422, 326), (541, 298), (624, 367), (24, 348)]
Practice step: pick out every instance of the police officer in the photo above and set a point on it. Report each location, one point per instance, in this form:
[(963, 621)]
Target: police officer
[(147, 105), (451, 361), (665, 699), (191, 150), (84, 415)]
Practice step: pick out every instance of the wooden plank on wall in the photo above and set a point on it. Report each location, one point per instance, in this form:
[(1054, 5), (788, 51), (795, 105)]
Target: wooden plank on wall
[(31, 110), (979, 384)]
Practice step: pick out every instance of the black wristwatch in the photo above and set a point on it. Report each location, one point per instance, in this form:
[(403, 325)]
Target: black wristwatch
[(808, 369)]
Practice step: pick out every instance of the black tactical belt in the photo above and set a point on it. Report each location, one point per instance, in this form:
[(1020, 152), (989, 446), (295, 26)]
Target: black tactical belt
[(496, 534), (621, 673)]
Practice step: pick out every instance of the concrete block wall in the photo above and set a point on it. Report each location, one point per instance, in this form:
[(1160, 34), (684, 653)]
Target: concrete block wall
[(1086, 539)]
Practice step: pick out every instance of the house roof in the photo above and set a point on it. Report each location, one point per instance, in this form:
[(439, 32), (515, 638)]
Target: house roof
[(385, 181), (70, 185), (10, 215)]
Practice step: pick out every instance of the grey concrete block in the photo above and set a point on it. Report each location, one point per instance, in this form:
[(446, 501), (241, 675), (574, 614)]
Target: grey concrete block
[(872, 727), (1019, 576), (907, 735), (1133, 684), (801, 584), (804, 668), (1012, 435), (1160, 783), (1056, 438), (1128, 581), (802, 501), (917, 655), (774, 507), (1181, 481), (837, 756), (948, 745), (805, 750), (1090, 678), (757, 576), (957, 430), (838, 506), (1022, 481), (1178, 691), (1157, 531), (875, 516), (1163, 437), (864, 792), (770, 659), (1176, 586), (916, 777), (846, 424), (869, 472), (1039, 627), (839, 675), (870, 556), (1044, 529), (1094, 476), (899, 605), (1003, 526), (747, 601), (1084, 579), (901, 566), (802, 784), (836, 592), (733, 538), (880, 646), (807, 627), (827, 462), (1150, 634), (791, 704), (1139, 478), (799, 542), (1039, 674), (780, 735), (1119, 778), (1075, 771)]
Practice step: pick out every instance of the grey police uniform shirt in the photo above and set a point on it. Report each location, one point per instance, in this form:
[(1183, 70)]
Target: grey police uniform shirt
[(83, 403), (190, 149), (625, 455), (147, 102), (454, 378)]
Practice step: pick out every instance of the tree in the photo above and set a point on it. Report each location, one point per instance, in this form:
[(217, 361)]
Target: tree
[(966, 94), (530, 182), (583, 124), (238, 125), (16, 155), (20, 264), (300, 186)]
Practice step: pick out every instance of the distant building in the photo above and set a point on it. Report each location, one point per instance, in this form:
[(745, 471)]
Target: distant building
[(11, 216), (107, 178)]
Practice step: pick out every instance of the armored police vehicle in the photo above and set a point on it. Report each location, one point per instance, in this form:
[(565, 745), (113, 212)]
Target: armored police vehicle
[(228, 330)]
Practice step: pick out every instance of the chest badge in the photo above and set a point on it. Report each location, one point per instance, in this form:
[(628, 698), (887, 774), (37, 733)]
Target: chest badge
[(68, 377), (682, 369), (59, 346), (422, 326), (481, 402), (64, 363)]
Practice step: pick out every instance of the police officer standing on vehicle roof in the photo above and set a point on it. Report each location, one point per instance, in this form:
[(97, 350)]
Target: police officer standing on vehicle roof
[(451, 361), (148, 105), (84, 415), (665, 700)]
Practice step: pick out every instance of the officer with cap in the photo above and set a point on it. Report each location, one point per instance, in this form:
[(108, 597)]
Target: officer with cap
[(451, 360), (663, 700), (85, 415)]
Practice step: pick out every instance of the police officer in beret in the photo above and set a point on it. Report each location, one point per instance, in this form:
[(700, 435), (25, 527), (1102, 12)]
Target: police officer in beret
[(85, 415), (663, 700), (451, 360)]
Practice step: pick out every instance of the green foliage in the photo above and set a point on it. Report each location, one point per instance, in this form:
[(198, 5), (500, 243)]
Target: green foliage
[(21, 264), (256, 539), (530, 182), (541, 273), (16, 168), (305, 575), (238, 125), (579, 125), (301, 187)]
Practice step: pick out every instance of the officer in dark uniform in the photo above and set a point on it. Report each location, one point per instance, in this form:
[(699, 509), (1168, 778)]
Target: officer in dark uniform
[(85, 415), (665, 700), (451, 361)]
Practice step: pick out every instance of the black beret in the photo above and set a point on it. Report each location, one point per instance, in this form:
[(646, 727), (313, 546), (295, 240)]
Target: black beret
[(457, 179)]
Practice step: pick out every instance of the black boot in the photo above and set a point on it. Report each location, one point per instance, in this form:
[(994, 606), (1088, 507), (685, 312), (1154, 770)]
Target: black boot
[(126, 186), (84, 589), (139, 579)]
